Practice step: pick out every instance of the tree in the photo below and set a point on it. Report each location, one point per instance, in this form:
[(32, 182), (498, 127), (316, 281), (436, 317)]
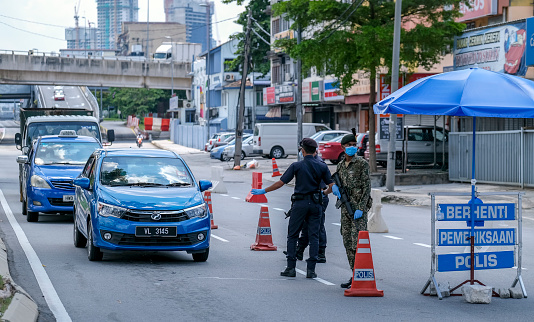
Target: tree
[(344, 38), (135, 101), (258, 48)]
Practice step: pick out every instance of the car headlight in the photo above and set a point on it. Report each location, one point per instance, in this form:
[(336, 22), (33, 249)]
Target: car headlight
[(197, 211), (39, 182), (106, 210)]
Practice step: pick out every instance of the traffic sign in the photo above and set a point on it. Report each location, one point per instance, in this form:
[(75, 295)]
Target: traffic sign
[(488, 260), (483, 211), (483, 237)]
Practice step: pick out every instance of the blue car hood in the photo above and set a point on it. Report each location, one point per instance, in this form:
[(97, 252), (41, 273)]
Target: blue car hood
[(151, 198), (68, 172)]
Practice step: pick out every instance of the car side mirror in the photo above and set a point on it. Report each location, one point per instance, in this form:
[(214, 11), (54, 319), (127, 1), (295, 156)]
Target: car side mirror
[(83, 183), (21, 159), (18, 141), (204, 185), (111, 136)]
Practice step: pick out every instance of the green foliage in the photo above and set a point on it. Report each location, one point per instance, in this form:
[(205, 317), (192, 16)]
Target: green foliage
[(258, 48), (136, 101), (365, 41)]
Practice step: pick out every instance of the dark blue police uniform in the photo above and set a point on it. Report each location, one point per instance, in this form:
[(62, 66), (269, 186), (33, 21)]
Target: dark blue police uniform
[(308, 175)]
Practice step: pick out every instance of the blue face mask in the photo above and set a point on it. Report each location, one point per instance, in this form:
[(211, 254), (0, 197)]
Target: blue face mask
[(351, 150)]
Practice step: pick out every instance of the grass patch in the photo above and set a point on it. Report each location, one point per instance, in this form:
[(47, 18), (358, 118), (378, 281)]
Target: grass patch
[(4, 303)]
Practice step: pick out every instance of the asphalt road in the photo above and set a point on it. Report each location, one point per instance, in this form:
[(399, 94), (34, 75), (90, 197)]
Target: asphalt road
[(74, 97), (238, 284)]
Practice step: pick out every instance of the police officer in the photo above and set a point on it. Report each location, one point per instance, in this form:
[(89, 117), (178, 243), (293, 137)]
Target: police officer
[(354, 176), (306, 204)]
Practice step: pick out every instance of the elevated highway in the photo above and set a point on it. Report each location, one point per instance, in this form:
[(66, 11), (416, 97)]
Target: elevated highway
[(117, 72)]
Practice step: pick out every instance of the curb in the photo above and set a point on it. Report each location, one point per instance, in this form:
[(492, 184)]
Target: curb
[(22, 307)]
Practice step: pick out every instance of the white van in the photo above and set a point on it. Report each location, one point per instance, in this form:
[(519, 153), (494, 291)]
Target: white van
[(276, 140)]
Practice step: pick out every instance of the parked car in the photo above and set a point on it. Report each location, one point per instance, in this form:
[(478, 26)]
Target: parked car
[(140, 200), (218, 139), (328, 135), (331, 150), (49, 169), (276, 140), (247, 149), (362, 139)]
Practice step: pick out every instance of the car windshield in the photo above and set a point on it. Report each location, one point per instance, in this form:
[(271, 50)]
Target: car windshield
[(144, 171), (64, 152), (37, 129)]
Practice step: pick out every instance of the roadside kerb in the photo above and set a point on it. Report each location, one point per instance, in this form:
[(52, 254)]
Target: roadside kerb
[(22, 307)]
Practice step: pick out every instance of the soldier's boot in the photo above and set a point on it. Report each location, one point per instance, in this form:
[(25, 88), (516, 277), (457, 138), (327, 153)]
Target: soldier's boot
[(347, 285), (321, 258), (300, 253), (289, 272)]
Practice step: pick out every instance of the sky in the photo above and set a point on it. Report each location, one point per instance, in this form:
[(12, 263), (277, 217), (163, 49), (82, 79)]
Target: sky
[(40, 24)]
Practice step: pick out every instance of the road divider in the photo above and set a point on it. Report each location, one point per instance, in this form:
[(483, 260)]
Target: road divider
[(217, 180)]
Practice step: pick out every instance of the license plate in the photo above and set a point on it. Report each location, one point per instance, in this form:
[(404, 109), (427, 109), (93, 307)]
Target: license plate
[(152, 231), (68, 198)]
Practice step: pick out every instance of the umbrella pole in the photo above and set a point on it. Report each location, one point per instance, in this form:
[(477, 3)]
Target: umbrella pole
[(473, 197)]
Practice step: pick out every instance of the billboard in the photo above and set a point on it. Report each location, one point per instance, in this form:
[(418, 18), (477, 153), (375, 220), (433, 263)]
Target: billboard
[(268, 95), (331, 91), (499, 49), (477, 9), (311, 91)]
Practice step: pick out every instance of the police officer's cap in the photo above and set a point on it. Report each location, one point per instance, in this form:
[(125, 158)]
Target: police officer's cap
[(308, 142), (348, 138)]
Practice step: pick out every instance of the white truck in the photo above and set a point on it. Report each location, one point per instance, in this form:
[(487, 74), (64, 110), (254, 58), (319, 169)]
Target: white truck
[(177, 51)]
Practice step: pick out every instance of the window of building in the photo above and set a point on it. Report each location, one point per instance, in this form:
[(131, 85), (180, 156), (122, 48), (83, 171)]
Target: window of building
[(227, 68), (259, 98), (275, 77), (275, 26)]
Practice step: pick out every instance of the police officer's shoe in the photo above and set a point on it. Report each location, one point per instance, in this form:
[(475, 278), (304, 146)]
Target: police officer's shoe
[(321, 257), (310, 274), (347, 285), (289, 272)]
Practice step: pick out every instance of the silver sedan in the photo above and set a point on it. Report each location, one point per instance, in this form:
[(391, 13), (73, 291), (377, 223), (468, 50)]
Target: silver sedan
[(246, 149)]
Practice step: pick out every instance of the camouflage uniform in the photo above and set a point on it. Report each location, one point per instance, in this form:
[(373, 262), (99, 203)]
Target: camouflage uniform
[(355, 179)]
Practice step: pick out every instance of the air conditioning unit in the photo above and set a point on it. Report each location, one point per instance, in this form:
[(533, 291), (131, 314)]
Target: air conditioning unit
[(188, 104), (288, 77), (229, 77)]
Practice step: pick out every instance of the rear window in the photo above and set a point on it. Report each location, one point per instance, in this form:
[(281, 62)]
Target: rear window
[(319, 128), (256, 130)]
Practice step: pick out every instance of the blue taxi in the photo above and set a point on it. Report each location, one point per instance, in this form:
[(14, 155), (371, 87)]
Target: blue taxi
[(140, 200), (49, 169)]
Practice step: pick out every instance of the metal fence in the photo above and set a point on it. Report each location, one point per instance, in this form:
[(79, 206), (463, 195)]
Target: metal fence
[(193, 136), (503, 157)]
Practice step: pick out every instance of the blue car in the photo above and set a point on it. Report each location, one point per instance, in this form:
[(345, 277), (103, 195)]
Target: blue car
[(48, 170), (140, 200)]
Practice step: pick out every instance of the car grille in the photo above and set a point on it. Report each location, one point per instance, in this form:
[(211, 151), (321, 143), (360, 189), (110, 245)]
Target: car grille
[(60, 202), (131, 240), (63, 184), (146, 216)]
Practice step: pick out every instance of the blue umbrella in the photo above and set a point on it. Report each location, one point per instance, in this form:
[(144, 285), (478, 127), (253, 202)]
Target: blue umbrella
[(468, 92)]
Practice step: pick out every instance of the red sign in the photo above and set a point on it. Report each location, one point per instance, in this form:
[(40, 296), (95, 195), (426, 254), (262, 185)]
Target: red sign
[(268, 95), (479, 8), (385, 85)]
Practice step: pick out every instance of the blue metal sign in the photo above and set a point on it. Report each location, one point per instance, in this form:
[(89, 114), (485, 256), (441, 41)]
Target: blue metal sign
[(529, 49), (487, 211), (489, 260), (483, 237)]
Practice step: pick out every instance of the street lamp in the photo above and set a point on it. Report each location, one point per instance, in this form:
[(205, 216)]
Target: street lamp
[(208, 26), (172, 66)]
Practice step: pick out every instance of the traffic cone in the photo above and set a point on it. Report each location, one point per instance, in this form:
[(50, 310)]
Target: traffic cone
[(264, 239), (276, 173), (256, 184), (363, 277), (207, 199)]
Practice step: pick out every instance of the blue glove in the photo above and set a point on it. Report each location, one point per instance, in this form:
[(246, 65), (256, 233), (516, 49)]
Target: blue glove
[(358, 214), (258, 191), (335, 191)]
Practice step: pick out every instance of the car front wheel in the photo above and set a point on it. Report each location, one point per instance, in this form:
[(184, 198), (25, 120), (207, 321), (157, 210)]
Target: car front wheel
[(93, 253), (31, 216), (201, 257)]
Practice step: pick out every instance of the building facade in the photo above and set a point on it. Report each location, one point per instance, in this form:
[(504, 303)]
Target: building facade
[(81, 38), (132, 41), (111, 15)]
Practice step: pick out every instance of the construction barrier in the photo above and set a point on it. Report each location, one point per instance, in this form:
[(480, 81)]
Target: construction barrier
[(132, 121), (276, 172), (217, 180), (256, 184), (375, 221), (207, 199), (156, 124), (264, 239), (363, 277)]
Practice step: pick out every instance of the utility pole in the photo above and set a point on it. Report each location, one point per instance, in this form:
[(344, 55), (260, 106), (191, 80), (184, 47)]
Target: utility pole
[(147, 20), (207, 100), (392, 154), (299, 94), (240, 117)]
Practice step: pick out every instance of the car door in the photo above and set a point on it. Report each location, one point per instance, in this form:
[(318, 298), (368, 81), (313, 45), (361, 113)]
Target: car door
[(83, 196), (420, 145), (27, 171)]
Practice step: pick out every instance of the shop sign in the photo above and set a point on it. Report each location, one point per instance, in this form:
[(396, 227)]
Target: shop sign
[(311, 92), (477, 9), (284, 94), (268, 95), (385, 82), (331, 91)]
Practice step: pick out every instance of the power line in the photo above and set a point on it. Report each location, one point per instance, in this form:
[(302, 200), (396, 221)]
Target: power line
[(36, 22), (31, 32)]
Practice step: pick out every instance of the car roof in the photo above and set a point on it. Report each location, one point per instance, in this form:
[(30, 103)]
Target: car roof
[(149, 153), (79, 138)]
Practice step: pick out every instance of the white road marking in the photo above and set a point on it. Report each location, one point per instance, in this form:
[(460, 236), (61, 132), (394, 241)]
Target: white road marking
[(424, 245), (528, 218), (392, 237), (236, 198), (222, 194), (49, 292), (320, 280), (515, 267), (336, 223), (219, 238), (279, 209), (263, 205)]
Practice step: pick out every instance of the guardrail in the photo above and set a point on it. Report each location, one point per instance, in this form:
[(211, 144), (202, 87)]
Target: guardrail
[(92, 101)]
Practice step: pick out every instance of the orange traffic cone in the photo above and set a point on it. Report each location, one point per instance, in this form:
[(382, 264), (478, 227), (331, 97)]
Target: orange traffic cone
[(264, 239), (207, 199), (363, 277), (276, 173)]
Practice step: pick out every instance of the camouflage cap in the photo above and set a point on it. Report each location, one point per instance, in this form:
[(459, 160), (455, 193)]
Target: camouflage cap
[(348, 138)]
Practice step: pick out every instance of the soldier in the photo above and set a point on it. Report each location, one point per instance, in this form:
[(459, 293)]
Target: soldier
[(354, 175), (306, 204)]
